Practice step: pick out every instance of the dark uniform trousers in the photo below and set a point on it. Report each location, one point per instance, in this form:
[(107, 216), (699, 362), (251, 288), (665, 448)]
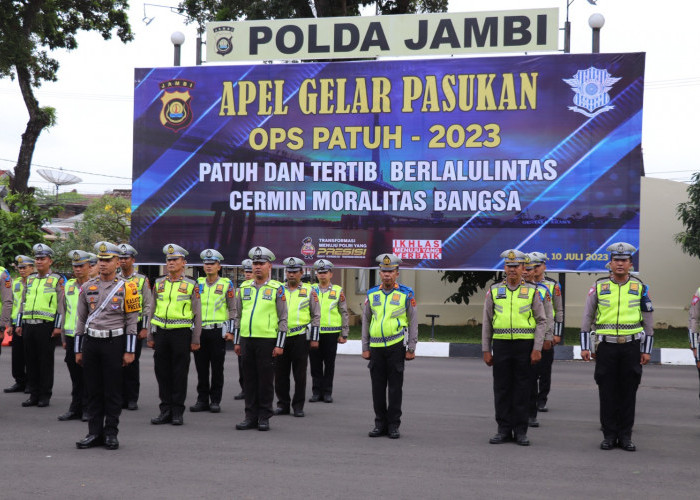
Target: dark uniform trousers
[(541, 381), (618, 373), (512, 374), (78, 394), (171, 361), (102, 365), (294, 360), (212, 352), (132, 373), (322, 361), (39, 348), (19, 367), (258, 376), (386, 366), (240, 373)]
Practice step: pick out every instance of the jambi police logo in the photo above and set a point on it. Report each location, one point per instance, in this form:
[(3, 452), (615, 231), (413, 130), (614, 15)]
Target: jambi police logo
[(591, 87), (222, 42), (176, 113)]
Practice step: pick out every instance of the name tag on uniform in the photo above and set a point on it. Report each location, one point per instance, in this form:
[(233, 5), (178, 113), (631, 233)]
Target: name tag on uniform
[(634, 289), (501, 292), (605, 289), (376, 300), (395, 298), (182, 288), (523, 292), (267, 295), (246, 294), (219, 289)]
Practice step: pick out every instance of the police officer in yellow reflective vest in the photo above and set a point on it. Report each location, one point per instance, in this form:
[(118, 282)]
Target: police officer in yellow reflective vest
[(80, 261), (132, 371), (25, 267), (259, 334), (389, 337), (218, 309), (514, 325), (6, 301), (621, 309), (334, 330), (303, 320), (39, 321), (176, 327), (247, 266)]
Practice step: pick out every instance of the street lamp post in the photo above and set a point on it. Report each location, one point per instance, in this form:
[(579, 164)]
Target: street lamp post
[(596, 22), (178, 38)]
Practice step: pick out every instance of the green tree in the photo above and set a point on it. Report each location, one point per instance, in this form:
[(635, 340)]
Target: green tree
[(689, 214), (21, 229), (470, 282), (28, 29)]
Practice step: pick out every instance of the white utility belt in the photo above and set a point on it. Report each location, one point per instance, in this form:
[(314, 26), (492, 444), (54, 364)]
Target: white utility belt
[(105, 334), (212, 326)]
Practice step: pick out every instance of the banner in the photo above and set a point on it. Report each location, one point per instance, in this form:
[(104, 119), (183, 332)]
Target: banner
[(524, 30), (445, 162)]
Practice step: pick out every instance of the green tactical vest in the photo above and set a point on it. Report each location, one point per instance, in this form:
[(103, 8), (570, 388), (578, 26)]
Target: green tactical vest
[(214, 308), (331, 320), (512, 311), (619, 307), (41, 301), (299, 314), (389, 318), (140, 280), (259, 309), (17, 290), (72, 293), (173, 303)]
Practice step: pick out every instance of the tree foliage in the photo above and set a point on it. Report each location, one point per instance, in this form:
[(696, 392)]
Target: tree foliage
[(29, 29), (470, 282), (689, 214), (21, 228)]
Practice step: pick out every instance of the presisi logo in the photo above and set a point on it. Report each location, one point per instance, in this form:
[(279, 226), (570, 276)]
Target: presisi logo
[(176, 113), (223, 43)]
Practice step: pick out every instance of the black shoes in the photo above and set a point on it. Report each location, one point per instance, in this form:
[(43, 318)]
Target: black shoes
[(84, 417), (377, 431), (14, 388), (247, 424), (177, 418), (263, 424), (69, 415), (43, 403), (214, 408), (532, 422), (394, 434), (30, 402), (522, 440), (239, 396), (542, 407), (199, 406), (298, 413), (500, 438), (111, 442), (90, 441), (607, 444), (131, 405), (281, 411), (165, 417), (315, 398), (627, 445), (327, 398)]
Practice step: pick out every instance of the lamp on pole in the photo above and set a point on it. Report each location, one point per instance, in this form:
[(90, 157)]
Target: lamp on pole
[(567, 25), (178, 38), (596, 22)]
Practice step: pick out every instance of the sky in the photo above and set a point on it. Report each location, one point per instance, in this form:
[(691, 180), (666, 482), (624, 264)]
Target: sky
[(93, 96)]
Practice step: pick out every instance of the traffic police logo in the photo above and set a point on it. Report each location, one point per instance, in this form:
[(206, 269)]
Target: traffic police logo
[(222, 42), (511, 255), (257, 254), (76, 256), (171, 249), (208, 254), (307, 248), (386, 261), (591, 87), (176, 113)]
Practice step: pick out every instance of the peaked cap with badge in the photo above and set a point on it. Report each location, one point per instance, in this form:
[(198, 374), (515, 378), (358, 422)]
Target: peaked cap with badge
[(171, 250), (323, 266), (210, 256), (388, 262), (127, 250), (293, 264), (513, 257), (106, 250), (621, 249), (23, 260), (93, 258), (78, 257), (247, 265), (42, 250), (261, 254), (537, 258)]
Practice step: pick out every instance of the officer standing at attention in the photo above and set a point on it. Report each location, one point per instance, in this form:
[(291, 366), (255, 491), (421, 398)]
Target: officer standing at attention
[(94, 268), (39, 321), (303, 321), (176, 327), (218, 307), (621, 309), (259, 333), (247, 276), (105, 340), (389, 337), (334, 330), (693, 327), (25, 267), (514, 325), (81, 268), (6, 301), (132, 375), (543, 369)]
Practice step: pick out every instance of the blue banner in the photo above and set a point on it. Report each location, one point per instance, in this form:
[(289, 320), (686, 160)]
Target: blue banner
[(444, 162)]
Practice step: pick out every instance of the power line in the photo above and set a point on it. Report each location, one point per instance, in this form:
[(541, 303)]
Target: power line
[(69, 170)]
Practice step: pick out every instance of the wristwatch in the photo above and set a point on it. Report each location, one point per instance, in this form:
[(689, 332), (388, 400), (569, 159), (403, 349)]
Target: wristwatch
[(411, 350)]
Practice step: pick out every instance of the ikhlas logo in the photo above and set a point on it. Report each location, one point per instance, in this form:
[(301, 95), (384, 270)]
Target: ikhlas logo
[(591, 87)]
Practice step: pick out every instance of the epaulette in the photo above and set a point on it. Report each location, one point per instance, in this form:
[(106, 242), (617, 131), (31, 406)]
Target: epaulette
[(547, 278), (274, 284), (604, 278), (189, 280), (637, 278), (406, 289), (374, 289)]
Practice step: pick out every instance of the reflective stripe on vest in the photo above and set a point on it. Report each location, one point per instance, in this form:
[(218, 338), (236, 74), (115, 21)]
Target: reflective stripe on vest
[(213, 296), (331, 320), (259, 309), (512, 312), (173, 303), (619, 308), (389, 318), (298, 312), (41, 302)]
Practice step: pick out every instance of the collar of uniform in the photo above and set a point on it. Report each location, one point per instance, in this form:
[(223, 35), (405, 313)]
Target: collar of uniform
[(618, 283), (206, 282), (256, 285), (330, 285), (173, 281), (42, 276), (130, 276)]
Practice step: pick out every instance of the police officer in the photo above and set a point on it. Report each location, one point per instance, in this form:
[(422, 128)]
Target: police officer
[(247, 265), (514, 325), (693, 327), (621, 309), (259, 330), (389, 336), (543, 369), (302, 321), (69, 308), (176, 327), (218, 307), (334, 330), (94, 268), (132, 375), (6, 301), (25, 267), (39, 321), (105, 340)]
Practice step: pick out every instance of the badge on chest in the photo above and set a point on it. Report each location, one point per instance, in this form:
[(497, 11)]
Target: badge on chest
[(267, 294), (395, 299), (605, 289)]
